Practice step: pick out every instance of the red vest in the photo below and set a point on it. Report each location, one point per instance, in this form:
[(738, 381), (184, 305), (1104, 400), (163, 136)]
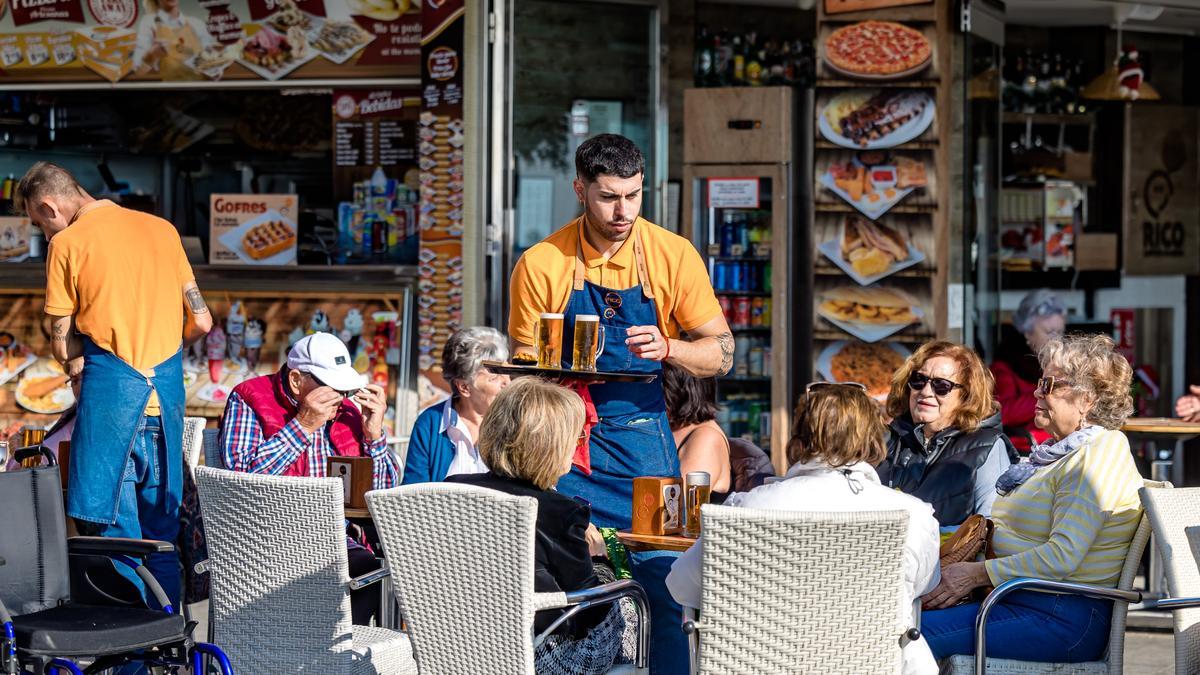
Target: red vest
[(274, 409)]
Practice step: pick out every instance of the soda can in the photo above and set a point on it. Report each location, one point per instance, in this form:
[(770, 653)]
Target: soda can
[(741, 312), (720, 276), (741, 364), (726, 306), (755, 367), (766, 284), (737, 282), (756, 313), (765, 316), (727, 238)]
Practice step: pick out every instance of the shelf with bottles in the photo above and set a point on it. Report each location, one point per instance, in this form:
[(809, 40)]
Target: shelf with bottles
[(746, 416), (1043, 83), (730, 60)]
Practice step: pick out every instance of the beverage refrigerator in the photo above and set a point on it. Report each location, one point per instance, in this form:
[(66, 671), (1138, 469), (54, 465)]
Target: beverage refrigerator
[(745, 194)]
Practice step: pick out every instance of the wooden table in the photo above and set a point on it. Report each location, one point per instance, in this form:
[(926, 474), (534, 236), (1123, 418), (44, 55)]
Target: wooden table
[(352, 512), (650, 542), (1167, 435)]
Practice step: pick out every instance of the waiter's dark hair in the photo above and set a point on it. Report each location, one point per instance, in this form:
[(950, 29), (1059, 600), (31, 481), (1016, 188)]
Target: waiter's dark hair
[(608, 155), (689, 399)]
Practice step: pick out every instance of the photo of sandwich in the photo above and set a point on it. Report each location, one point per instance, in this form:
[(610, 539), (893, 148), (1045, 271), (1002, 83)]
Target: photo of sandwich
[(868, 313), (869, 251), (875, 118)]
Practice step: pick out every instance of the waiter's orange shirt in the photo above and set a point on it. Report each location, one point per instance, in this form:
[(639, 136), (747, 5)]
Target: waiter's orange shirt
[(121, 274), (543, 277)]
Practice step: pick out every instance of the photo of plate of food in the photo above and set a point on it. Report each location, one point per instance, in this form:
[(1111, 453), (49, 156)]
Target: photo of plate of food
[(874, 182), (877, 50), (869, 314), (339, 41), (44, 388), (213, 60), (269, 239), (289, 15), (868, 251), (870, 364), (14, 357), (870, 119), (272, 54)]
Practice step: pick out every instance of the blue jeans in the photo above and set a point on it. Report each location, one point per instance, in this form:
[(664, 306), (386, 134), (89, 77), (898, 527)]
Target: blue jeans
[(146, 510), (1025, 626), (668, 643)]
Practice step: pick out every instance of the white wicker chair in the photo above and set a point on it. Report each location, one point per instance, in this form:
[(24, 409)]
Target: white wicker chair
[(193, 440), (1114, 658), (769, 605), (462, 567), (280, 583), (212, 449), (1175, 517)]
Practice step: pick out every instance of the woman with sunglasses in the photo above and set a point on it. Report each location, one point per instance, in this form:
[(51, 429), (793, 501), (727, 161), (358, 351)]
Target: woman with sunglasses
[(946, 444), (1067, 514), (837, 438)]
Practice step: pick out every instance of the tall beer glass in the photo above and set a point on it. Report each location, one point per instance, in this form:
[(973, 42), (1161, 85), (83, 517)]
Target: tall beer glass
[(697, 490), (588, 344), (549, 340)]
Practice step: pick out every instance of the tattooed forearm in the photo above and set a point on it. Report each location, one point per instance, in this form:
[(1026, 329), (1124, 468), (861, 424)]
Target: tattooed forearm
[(195, 300), (726, 341)]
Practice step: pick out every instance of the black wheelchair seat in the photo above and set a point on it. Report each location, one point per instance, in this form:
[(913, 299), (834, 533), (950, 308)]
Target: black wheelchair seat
[(89, 630)]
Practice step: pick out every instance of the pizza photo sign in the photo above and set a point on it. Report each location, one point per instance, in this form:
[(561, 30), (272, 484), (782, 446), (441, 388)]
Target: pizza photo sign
[(877, 50)]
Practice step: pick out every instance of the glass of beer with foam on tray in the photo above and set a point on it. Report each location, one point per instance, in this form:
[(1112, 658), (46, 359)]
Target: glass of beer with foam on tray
[(548, 340), (588, 344)]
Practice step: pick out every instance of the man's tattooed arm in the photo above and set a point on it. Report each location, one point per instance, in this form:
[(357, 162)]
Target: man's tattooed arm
[(726, 341), (195, 300)]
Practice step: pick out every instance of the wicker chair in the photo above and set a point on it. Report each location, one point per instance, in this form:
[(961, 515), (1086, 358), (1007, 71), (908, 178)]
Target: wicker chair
[(769, 606), (1174, 516), (1114, 659), (193, 440), (212, 449), (461, 558), (280, 583)]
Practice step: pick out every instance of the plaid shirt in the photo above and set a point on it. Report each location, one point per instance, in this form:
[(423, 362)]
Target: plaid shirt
[(243, 447)]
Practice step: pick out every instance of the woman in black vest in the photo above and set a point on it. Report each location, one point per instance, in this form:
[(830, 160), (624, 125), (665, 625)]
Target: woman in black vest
[(946, 444)]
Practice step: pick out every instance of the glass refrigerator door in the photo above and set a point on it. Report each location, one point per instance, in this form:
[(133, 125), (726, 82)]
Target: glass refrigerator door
[(735, 232)]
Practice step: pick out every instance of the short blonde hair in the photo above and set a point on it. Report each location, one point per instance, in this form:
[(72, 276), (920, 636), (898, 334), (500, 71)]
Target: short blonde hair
[(837, 424), (1093, 366), (978, 395), (531, 430)]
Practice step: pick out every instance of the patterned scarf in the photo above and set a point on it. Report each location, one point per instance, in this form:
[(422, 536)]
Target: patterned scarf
[(1044, 455)]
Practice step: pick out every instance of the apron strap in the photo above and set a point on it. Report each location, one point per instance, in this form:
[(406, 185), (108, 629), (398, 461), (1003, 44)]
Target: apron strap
[(639, 257)]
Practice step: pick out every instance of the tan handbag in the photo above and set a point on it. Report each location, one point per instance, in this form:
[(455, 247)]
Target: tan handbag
[(971, 540)]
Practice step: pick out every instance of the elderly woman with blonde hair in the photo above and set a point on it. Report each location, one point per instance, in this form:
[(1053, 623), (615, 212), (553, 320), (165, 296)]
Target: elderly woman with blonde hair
[(528, 439), (1066, 514)]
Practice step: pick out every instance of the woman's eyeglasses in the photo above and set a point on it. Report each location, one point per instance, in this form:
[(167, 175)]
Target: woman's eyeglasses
[(1046, 384), (819, 385), (941, 386)]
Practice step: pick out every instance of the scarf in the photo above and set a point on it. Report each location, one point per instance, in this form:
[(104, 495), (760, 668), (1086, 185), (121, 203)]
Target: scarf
[(1042, 456)]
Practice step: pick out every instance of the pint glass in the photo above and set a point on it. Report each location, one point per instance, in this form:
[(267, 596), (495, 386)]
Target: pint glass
[(549, 340), (588, 344), (696, 492)]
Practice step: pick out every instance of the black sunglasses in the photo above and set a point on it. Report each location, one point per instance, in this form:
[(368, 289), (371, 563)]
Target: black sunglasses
[(941, 386)]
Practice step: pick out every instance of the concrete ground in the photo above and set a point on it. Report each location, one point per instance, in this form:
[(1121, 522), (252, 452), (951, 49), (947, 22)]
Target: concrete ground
[(1149, 653)]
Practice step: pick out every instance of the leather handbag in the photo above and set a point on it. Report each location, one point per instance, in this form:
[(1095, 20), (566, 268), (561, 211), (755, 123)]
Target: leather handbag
[(971, 538)]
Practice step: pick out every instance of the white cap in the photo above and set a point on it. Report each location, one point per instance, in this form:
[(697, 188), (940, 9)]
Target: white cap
[(326, 358)]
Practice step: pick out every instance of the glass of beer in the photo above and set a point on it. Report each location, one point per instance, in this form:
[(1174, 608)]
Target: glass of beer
[(696, 492), (589, 342), (549, 340)]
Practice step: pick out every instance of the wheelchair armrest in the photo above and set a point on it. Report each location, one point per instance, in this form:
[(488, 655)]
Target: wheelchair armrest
[(1170, 604), (202, 566), (372, 577), (1044, 585), (118, 545), (577, 601)]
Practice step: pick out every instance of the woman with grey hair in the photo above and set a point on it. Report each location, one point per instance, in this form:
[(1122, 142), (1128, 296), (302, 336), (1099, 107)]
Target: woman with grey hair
[(444, 438), (1039, 318)]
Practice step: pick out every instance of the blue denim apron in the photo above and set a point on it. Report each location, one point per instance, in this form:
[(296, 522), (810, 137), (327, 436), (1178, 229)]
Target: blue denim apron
[(633, 438), (112, 402)]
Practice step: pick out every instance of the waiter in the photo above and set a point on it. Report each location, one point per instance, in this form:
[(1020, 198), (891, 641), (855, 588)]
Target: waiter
[(648, 286)]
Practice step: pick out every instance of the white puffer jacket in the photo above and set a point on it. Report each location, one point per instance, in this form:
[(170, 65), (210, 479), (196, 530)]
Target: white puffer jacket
[(817, 487)]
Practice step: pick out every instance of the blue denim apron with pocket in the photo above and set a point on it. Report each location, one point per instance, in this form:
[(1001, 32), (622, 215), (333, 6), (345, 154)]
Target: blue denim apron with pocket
[(633, 438), (112, 402)]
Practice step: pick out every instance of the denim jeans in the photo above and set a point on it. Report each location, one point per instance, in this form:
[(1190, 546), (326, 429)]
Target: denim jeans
[(668, 642), (1025, 626), (146, 510)]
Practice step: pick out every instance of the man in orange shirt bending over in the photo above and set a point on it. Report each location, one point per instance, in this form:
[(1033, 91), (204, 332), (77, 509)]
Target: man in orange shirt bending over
[(122, 302)]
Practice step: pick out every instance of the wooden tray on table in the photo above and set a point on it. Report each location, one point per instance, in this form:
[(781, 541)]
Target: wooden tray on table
[(514, 370)]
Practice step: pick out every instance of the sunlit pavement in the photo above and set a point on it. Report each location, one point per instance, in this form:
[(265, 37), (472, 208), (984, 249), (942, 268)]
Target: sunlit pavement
[(1149, 653)]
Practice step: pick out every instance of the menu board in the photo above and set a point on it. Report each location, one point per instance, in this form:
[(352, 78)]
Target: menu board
[(207, 40), (375, 128), (442, 136)]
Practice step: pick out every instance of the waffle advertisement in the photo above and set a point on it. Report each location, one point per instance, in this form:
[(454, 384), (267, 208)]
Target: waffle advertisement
[(253, 229), (208, 40)]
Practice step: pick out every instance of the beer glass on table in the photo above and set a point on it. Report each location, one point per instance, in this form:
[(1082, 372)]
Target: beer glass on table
[(548, 340), (588, 344), (697, 489)]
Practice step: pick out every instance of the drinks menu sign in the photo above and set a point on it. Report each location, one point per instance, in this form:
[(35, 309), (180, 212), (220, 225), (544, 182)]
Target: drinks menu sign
[(208, 40)]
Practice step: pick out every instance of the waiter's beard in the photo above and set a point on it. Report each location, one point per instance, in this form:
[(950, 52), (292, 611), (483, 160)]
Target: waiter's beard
[(613, 231)]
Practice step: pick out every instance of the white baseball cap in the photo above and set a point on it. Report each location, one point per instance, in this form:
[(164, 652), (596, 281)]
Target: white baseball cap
[(326, 358)]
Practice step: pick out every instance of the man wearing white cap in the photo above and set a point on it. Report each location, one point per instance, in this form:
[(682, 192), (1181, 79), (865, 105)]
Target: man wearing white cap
[(288, 422)]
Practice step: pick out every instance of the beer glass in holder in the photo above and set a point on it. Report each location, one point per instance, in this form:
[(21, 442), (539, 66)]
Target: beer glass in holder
[(697, 490), (588, 344), (548, 340)]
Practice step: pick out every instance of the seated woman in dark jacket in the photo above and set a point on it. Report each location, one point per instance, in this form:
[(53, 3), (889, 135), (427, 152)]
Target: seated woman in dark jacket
[(527, 439), (946, 444)]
